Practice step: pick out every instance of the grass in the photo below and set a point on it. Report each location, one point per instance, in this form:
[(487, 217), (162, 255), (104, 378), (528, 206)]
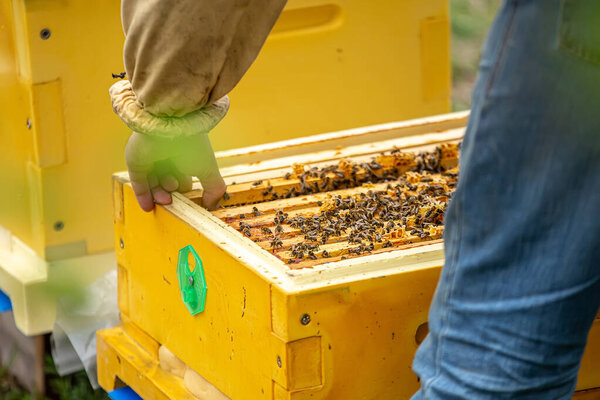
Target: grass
[(470, 21), (10, 389), (71, 387)]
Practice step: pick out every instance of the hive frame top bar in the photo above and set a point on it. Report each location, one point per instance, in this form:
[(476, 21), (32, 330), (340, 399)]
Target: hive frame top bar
[(349, 137), (258, 159)]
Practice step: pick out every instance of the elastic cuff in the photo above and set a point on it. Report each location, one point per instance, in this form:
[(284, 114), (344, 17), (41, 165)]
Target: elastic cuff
[(137, 119)]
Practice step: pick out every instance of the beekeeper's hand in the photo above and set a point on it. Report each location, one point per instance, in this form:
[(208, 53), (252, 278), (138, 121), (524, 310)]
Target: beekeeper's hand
[(159, 166), (163, 153), (181, 58)]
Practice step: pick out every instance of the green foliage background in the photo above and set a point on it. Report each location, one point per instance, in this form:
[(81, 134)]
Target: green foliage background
[(470, 21), (71, 387)]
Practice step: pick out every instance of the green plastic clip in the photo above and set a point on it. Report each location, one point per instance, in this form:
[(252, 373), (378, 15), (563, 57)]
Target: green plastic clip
[(192, 284)]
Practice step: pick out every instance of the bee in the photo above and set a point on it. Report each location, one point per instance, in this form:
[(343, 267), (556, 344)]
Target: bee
[(426, 179), (119, 75), (376, 165), (325, 183), (312, 255), (266, 230), (257, 183), (242, 216), (226, 196), (325, 254), (319, 203), (276, 242), (256, 212), (387, 244), (303, 186), (278, 229), (288, 175), (291, 261), (246, 231), (310, 237)]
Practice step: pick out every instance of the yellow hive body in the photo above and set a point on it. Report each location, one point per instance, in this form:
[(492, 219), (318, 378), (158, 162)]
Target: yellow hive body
[(327, 65), (341, 330), (338, 64)]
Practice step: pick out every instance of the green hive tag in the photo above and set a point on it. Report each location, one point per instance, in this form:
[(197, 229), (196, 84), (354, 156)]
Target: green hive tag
[(192, 284)]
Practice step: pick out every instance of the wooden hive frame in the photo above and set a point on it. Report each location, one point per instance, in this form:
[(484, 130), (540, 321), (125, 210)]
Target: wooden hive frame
[(281, 224)]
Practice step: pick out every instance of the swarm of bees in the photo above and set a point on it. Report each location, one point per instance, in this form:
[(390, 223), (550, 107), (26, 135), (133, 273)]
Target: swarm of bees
[(373, 217), (409, 208)]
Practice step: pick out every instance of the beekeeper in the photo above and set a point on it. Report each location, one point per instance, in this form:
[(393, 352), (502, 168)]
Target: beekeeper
[(181, 59)]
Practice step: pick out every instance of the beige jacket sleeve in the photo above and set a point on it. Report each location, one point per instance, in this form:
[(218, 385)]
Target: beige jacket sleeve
[(183, 56)]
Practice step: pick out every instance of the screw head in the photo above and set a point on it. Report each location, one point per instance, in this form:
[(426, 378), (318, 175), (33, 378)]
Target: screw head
[(305, 319), (28, 123), (279, 361), (191, 280), (59, 225), (45, 34), (121, 243)]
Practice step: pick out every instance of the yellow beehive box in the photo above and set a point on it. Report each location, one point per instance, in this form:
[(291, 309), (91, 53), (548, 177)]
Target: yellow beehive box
[(346, 329), (337, 64), (361, 62)]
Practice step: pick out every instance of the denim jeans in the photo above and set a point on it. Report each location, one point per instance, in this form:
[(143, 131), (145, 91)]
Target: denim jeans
[(521, 283)]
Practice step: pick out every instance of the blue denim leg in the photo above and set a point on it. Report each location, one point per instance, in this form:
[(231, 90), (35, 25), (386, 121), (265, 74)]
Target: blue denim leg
[(521, 282)]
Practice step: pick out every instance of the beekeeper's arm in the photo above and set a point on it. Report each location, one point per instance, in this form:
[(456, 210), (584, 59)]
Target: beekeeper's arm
[(182, 57)]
